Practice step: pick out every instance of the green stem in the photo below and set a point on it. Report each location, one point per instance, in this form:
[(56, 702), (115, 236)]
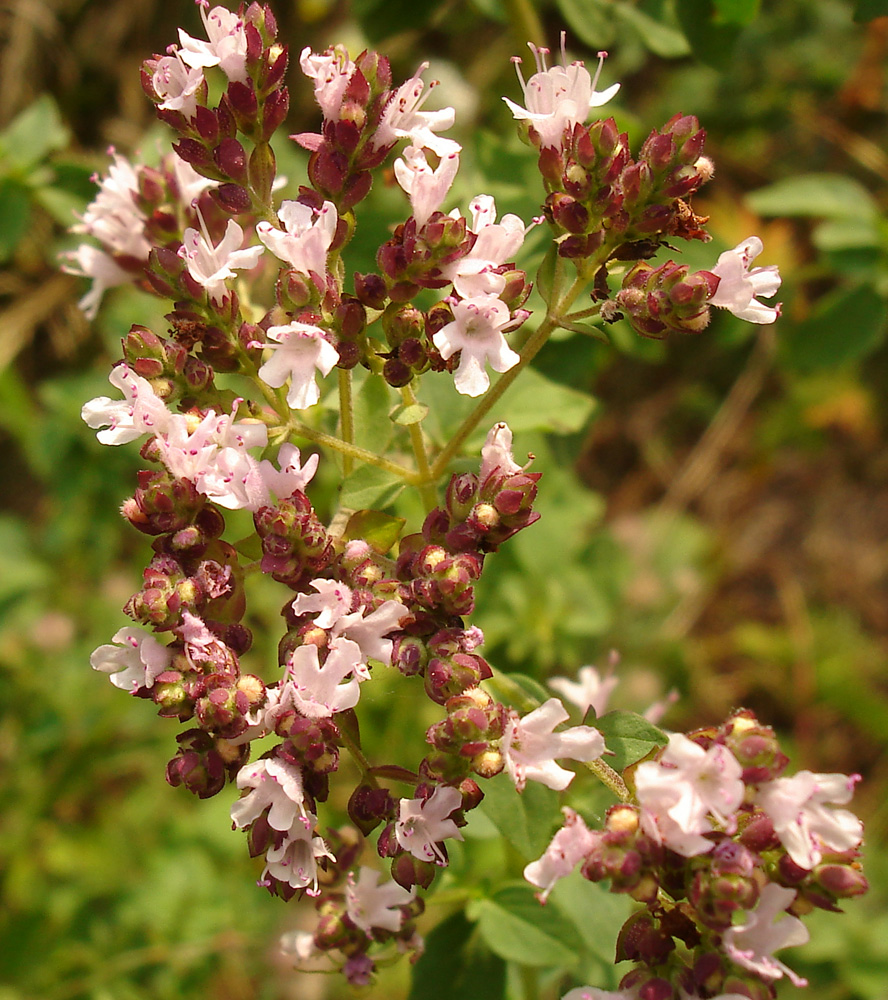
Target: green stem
[(426, 482), (353, 451), (609, 777), (346, 417)]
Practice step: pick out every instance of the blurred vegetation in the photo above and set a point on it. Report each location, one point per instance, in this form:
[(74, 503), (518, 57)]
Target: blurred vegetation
[(720, 503)]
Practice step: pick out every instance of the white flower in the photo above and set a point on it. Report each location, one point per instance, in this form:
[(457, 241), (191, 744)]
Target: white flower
[(177, 83), (135, 660), (114, 217), (330, 71), (301, 349), (530, 746), (139, 412), (477, 331), (767, 929), (799, 809), (496, 453), (559, 97), (426, 188), (210, 265), (295, 860), (370, 905), (495, 243), (590, 690), (275, 785), (423, 823), (403, 119), (739, 285), (566, 849), (189, 183), (306, 237), (226, 46), (291, 477), (88, 261), (317, 690), (680, 792), (298, 945)]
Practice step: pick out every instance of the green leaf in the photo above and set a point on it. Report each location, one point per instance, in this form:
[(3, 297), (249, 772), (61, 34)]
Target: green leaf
[(519, 690), (848, 324), (592, 21), (518, 928), (596, 913), (535, 402), (14, 218), (378, 529), (662, 39), (712, 41), (369, 486), (866, 10), (405, 415), (372, 403), (526, 819), (629, 737), (454, 965), (846, 234), (33, 134), (815, 195)]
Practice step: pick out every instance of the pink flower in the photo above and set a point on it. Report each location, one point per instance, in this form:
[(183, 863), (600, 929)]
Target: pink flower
[(134, 662), (301, 349), (423, 823), (566, 849), (176, 84), (330, 71), (800, 810), (496, 454), (370, 904), (590, 690), (88, 261), (114, 217), (403, 119), (291, 477), (139, 412), (767, 929), (426, 188), (275, 785), (559, 97), (475, 274), (305, 239), (211, 265), (317, 690), (477, 331), (530, 746), (739, 284), (226, 46)]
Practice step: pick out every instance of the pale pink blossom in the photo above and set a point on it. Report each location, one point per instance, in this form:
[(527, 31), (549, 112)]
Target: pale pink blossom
[(189, 183), (305, 239), (495, 243), (477, 332), (426, 187), (300, 350), (211, 265), (176, 84), (496, 454), (275, 785), (298, 946), (402, 118), (294, 860), (530, 746), (202, 645), (114, 217), (682, 792), (318, 690), (226, 45), (558, 97), (589, 690), (331, 71), (88, 261), (768, 928), (134, 661), (565, 851), (739, 285), (140, 412), (423, 824), (800, 809), (291, 476), (370, 905)]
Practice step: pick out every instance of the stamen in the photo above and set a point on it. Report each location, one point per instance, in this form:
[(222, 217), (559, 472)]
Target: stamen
[(601, 57)]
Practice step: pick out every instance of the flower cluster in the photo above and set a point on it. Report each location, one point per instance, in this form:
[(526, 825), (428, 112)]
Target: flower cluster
[(259, 294), (726, 853)]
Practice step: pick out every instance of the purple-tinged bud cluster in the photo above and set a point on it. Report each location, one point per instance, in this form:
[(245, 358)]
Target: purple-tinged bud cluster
[(295, 545), (663, 299)]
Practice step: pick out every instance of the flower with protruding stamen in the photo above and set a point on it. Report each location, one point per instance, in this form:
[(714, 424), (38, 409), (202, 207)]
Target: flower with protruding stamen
[(226, 46), (211, 264), (305, 239), (558, 97), (477, 332), (301, 349), (423, 823), (403, 119), (330, 70)]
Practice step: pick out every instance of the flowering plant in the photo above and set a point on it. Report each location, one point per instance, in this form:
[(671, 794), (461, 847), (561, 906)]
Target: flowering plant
[(721, 851)]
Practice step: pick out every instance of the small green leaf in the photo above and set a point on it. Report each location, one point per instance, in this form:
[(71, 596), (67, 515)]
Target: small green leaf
[(519, 690), (369, 486), (405, 415), (33, 134), (526, 819), (379, 530), (629, 737), (518, 928), (662, 39), (848, 324), (453, 964), (596, 913), (822, 196)]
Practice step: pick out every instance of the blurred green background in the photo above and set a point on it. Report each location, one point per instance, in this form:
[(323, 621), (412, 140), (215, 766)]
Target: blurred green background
[(720, 503)]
